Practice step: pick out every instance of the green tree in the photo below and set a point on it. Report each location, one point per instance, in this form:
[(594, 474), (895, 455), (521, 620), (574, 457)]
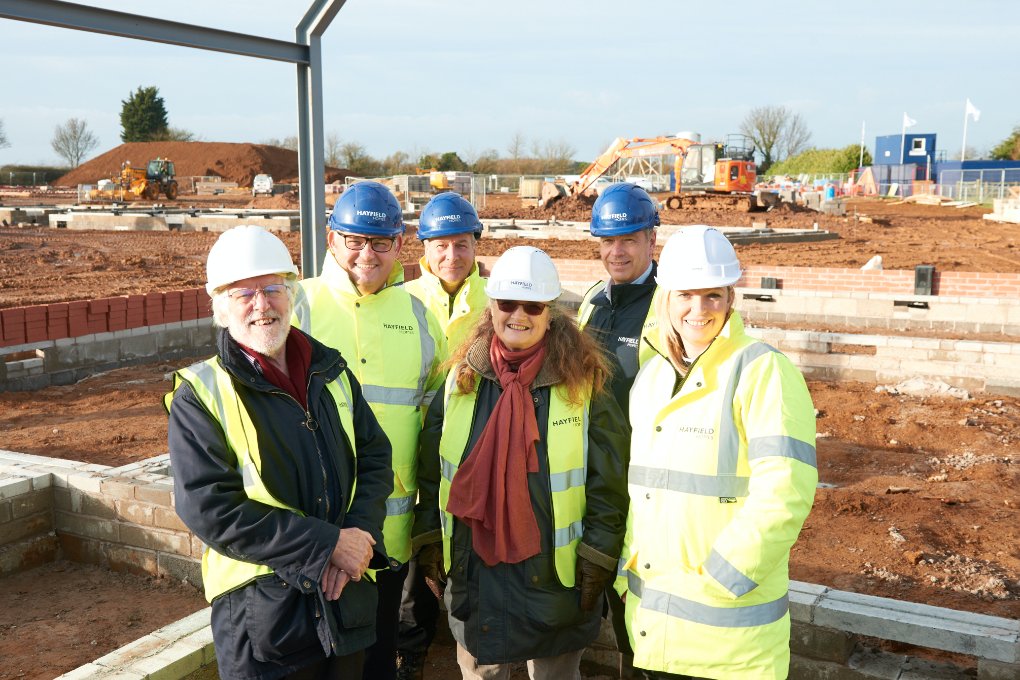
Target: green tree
[(849, 159), (3, 137), (1007, 150), (73, 141), (451, 161), (143, 116), (822, 161)]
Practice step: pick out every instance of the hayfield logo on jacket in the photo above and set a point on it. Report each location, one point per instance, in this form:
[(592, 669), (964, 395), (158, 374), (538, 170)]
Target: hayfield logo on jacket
[(569, 420), (402, 328)]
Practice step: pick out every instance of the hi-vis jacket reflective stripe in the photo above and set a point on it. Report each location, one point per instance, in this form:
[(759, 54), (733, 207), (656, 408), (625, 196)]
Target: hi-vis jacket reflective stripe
[(722, 476), (214, 388), (395, 347), (457, 318), (649, 330), (567, 448)]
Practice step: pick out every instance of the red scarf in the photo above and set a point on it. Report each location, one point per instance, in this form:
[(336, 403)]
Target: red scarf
[(298, 353), (490, 490)]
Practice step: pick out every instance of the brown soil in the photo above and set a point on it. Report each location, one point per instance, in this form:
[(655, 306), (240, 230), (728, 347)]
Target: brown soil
[(229, 161), (63, 615), (39, 265)]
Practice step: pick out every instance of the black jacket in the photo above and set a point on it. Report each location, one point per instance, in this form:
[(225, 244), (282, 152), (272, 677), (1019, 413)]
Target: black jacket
[(513, 612), (281, 622), (616, 322)]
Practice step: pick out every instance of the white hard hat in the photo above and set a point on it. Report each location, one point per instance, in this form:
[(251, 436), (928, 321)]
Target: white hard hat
[(695, 258), (523, 273), (243, 252)]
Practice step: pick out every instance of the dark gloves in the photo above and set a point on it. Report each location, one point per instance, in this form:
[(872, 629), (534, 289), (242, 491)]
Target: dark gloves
[(592, 580), (430, 563)]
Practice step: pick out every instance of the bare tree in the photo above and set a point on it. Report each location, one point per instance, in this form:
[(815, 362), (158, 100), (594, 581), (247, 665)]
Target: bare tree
[(73, 141), (175, 134), (777, 131), (3, 137), (331, 150), (285, 143), (557, 156), (515, 149), (397, 163)]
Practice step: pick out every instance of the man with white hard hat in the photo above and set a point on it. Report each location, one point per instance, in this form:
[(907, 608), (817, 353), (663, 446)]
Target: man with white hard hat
[(282, 470), (396, 347)]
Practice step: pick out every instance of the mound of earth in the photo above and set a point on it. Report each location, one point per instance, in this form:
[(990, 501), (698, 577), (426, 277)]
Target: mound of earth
[(229, 161)]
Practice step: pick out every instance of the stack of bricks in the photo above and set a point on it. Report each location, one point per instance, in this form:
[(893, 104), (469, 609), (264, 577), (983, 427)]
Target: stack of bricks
[(39, 323)]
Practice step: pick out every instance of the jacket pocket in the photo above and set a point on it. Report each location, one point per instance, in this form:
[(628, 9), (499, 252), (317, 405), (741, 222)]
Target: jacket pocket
[(279, 619), (358, 603), (549, 605), (457, 602)]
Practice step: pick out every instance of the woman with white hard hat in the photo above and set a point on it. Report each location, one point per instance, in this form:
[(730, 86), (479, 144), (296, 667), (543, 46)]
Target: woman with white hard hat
[(522, 492), (722, 475)]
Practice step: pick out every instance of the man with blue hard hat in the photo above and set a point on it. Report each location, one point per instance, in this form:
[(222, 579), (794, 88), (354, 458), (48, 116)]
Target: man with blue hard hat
[(395, 347), (619, 312), (450, 284), (452, 288)]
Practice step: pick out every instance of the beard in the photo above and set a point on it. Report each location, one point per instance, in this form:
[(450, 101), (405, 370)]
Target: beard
[(267, 339)]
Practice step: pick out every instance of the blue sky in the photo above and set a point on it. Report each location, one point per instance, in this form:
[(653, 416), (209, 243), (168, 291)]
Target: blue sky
[(437, 75)]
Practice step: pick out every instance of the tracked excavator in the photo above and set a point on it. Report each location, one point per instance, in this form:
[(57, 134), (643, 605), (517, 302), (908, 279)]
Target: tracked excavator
[(731, 184)]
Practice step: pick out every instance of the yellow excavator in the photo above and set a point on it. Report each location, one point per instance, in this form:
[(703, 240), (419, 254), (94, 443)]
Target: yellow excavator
[(158, 177)]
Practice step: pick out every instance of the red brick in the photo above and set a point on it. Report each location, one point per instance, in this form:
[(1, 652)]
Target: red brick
[(57, 329), (153, 309), (99, 306), (35, 334), (118, 303), (58, 310), (97, 323), (35, 313), (14, 324)]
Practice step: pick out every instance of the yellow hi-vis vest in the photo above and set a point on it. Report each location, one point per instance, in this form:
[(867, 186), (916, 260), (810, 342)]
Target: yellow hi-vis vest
[(722, 475), (394, 347), (648, 330), (567, 449), (214, 389), (458, 318)]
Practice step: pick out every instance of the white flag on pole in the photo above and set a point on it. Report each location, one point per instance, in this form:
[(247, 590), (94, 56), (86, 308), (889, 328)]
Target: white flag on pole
[(973, 111), (908, 121)]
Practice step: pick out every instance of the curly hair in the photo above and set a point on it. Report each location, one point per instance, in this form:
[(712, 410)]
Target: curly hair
[(580, 360)]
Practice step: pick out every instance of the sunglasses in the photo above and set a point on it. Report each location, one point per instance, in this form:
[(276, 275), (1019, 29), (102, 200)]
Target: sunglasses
[(530, 308)]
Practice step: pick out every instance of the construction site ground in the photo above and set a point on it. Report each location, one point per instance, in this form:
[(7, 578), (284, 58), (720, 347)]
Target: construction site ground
[(920, 493)]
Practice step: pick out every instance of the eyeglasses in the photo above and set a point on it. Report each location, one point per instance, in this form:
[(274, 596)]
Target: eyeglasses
[(380, 245), (274, 292), (530, 308)]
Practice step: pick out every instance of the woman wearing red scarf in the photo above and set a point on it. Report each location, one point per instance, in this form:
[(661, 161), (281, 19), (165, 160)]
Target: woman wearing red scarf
[(523, 493)]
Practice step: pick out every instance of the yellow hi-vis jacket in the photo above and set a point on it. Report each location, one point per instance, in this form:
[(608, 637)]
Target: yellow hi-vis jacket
[(395, 347), (722, 475), (567, 448), (459, 316), (214, 388), (648, 330)]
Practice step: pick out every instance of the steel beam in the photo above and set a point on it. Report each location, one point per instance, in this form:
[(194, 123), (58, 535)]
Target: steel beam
[(125, 25)]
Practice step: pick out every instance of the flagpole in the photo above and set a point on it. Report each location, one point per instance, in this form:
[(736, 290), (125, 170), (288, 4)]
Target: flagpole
[(963, 151), (860, 162), (903, 139)]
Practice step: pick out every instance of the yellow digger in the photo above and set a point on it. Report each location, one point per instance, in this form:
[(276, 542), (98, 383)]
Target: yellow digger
[(158, 177)]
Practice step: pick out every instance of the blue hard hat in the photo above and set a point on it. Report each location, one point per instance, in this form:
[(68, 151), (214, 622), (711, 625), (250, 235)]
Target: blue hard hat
[(623, 208), (448, 214), (367, 208)]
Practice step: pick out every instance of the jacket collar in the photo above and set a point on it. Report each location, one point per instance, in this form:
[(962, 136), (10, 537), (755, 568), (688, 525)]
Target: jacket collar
[(473, 278), (324, 359), (623, 294), (478, 360), (336, 276)]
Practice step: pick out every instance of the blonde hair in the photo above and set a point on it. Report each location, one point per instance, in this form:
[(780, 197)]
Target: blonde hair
[(670, 338), (579, 360)]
